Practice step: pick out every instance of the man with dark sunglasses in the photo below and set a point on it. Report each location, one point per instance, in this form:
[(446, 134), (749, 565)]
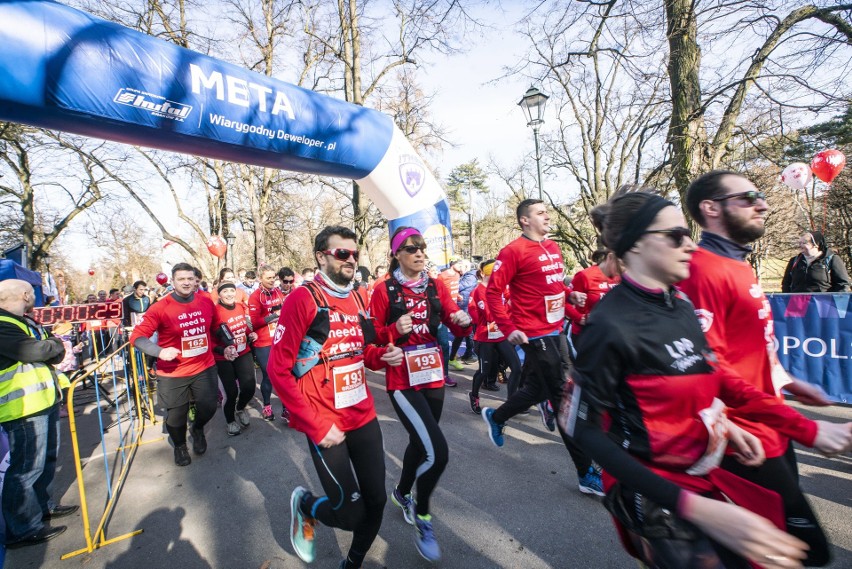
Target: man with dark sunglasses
[(331, 402), (737, 321)]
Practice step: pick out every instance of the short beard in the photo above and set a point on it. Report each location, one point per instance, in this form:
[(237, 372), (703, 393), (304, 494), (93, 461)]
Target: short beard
[(739, 233), (338, 278)]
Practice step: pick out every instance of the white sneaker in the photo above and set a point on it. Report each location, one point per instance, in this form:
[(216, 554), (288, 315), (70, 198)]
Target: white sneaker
[(233, 429), (242, 418)]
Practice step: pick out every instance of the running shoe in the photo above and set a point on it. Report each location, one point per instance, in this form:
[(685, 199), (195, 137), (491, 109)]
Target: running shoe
[(182, 457), (242, 418), (233, 429), (456, 365), (548, 419), (591, 483), (199, 441), (495, 430), (474, 404), (191, 414), (267, 413), (301, 528), (424, 539), (406, 503), (491, 387), (450, 382), (285, 416)]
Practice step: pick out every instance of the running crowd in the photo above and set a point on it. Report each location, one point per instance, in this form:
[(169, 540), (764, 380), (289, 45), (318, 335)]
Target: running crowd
[(655, 366)]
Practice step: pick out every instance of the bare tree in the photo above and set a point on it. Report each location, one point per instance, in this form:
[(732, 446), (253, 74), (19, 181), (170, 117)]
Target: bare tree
[(54, 178)]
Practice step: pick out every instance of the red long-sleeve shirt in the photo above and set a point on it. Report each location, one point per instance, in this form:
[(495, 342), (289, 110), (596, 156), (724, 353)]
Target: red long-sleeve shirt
[(486, 328), (261, 304), (397, 378), (737, 320), (595, 284), (534, 273), (235, 318), (187, 326), (329, 394)]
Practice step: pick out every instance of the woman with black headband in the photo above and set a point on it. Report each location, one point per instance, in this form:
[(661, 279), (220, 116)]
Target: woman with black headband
[(408, 308), (644, 363), (237, 376)]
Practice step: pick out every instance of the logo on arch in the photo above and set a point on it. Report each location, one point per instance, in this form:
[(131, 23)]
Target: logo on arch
[(412, 174)]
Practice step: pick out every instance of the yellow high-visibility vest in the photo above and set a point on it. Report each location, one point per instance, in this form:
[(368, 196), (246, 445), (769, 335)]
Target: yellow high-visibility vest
[(25, 388)]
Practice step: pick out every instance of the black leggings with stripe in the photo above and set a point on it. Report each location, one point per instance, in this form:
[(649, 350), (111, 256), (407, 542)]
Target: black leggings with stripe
[(427, 454), (352, 475)]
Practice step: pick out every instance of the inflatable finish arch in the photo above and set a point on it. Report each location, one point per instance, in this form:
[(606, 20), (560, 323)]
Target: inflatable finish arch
[(63, 69)]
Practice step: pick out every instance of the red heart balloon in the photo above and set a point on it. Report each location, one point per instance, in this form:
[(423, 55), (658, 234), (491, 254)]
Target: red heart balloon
[(827, 164), (162, 279), (217, 246), (91, 272)]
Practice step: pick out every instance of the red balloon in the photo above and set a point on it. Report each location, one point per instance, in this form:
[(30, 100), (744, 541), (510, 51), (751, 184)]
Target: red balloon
[(162, 279), (217, 246), (827, 164), (91, 272)]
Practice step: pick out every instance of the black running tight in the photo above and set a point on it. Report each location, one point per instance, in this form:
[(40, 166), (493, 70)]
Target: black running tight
[(237, 377)]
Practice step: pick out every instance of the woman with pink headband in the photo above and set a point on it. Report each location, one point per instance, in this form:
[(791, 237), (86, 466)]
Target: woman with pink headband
[(408, 307)]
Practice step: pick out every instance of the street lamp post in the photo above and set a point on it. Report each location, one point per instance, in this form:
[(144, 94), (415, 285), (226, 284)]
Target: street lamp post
[(533, 103), (231, 240), (46, 259)]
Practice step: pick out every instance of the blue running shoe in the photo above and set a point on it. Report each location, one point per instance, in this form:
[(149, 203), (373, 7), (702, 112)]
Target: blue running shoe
[(406, 503), (591, 483), (424, 539), (495, 430), (548, 419), (301, 528)]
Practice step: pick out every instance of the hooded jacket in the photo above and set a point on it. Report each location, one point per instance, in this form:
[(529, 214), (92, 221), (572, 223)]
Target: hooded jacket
[(826, 273)]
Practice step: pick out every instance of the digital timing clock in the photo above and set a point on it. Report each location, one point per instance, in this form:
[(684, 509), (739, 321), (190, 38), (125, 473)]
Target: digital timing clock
[(50, 315)]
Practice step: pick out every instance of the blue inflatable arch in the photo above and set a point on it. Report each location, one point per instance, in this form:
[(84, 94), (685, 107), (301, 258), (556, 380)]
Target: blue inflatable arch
[(66, 70)]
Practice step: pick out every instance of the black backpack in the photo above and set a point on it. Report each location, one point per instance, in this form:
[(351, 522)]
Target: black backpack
[(398, 308), (310, 349)]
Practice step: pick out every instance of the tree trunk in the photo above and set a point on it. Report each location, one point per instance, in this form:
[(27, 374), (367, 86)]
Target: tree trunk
[(687, 133)]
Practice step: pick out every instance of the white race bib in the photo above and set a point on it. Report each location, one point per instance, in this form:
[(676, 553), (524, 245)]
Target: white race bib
[(554, 307), (350, 388), (424, 365), (193, 346)]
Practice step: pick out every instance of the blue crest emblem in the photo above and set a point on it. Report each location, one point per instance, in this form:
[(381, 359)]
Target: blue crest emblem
[(412, 174)]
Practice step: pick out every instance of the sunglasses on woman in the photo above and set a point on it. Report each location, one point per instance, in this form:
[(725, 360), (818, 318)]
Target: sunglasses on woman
[(342, 254), (750, 197), (412, 249), (676, 234)]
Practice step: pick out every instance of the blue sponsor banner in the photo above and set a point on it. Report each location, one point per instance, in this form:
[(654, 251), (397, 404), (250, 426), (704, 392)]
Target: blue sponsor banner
[(67, 70), (814, 333)]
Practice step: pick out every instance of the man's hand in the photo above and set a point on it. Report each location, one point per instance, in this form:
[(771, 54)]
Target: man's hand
[(460, 318), (833, 438), (169, 354), (517, 338), (231, 353), (808, 393), (404, 325), (577, 298), (749, 449), (252, 336), (333, 437), (393, 355)]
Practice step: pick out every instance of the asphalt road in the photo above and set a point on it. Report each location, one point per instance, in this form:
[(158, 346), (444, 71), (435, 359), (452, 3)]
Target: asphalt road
[(517, 507)]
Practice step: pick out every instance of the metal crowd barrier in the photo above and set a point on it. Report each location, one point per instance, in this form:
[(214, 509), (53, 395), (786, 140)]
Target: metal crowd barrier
[(123, 405)]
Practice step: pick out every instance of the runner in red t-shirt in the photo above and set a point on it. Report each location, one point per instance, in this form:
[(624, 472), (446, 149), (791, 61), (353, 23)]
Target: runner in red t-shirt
[(416, 389), (264, 308), (331, 402), (531, 267), (237, 376), (184, 323)]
